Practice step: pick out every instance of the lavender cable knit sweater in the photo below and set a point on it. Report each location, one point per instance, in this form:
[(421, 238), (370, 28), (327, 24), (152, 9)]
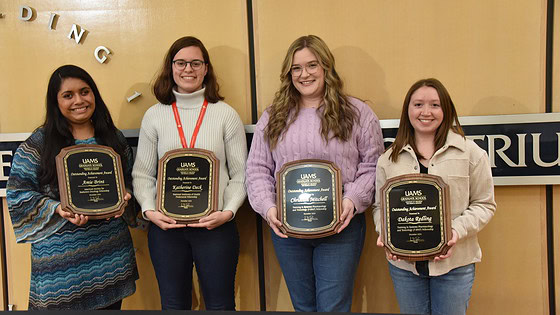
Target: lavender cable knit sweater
[(356, 158)]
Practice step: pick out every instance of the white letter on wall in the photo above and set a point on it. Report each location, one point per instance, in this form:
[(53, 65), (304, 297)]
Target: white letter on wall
[(499, 152), (25, 13), (51, 21), (537, 151), (4, 164), (74, 32), (100, 58)]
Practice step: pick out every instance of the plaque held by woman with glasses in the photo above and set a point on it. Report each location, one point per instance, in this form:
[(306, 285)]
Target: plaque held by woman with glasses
[(309, 198), (415, 221), (197, 186), (90, 180), (187, 184)]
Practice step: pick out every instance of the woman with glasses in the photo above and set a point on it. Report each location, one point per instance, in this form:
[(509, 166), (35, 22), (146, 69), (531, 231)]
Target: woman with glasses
[(190, 107), (430, 140), (311, 117), (76, 263)]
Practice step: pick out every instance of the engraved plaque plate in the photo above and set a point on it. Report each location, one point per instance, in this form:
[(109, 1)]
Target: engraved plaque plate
[(90, 181), (415, 216), (309, 198), (187, 184)]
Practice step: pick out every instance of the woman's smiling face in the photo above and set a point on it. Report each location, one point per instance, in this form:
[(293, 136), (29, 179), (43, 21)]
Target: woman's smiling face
[(424, 111), (309, 85), (76, 101)]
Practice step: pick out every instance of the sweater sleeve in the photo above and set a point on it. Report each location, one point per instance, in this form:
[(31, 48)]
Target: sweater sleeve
[(236, 156), (33, 213), (260, 171), (144, 171), (370, 146), (481, 198)]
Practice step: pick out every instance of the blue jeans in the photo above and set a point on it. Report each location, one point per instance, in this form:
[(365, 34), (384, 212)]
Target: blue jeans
[(215, 254), (447, 294), (320, 272)]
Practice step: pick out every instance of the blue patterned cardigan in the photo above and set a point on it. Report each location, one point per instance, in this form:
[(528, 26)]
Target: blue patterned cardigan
[(72, 267)]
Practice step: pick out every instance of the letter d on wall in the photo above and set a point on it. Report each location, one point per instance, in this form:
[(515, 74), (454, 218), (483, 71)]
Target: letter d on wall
[(25, 13)]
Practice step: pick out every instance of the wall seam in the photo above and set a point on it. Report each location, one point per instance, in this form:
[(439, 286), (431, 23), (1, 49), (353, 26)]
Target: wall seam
[(549, 192)]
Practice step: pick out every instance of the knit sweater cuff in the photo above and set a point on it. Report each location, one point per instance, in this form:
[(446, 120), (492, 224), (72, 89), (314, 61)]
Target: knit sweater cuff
[(265, 208), (356, 200)]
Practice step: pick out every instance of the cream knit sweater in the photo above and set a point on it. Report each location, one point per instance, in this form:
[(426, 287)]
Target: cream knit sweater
[(221, 132)]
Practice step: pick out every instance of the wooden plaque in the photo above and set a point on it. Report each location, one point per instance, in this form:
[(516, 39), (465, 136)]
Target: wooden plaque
[(187, 184), (415, 218), (90, 181), (309, 198)]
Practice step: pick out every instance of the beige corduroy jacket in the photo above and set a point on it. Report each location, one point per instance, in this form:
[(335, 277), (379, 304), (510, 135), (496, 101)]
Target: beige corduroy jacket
[(465, 168)]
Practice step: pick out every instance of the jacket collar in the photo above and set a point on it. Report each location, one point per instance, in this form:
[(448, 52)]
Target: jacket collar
[(453, 140)]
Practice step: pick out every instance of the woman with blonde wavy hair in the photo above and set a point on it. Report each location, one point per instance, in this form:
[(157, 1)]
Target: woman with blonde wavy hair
[(311, 117)]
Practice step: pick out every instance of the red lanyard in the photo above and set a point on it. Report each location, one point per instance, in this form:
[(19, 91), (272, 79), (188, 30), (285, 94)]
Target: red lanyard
[(196, 128)]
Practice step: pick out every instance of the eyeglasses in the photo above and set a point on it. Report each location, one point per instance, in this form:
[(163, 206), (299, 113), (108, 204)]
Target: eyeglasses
[(311, 68), (181, 64)]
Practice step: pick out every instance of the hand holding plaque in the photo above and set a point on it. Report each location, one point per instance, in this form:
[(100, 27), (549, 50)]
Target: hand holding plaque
[(90, 181), (309, 198), (187, 184), (415, 219)]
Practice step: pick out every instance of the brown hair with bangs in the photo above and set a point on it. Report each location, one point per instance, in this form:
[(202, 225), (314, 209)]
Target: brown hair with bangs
[(164, 83), (405, 134)]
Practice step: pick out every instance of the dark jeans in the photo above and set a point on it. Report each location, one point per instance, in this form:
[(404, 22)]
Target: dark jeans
[(320, 272), (215, 254)]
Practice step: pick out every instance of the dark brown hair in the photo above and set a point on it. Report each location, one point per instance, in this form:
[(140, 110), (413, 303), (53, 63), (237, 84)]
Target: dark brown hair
[(164, 83), (58, 132), (405, 134)]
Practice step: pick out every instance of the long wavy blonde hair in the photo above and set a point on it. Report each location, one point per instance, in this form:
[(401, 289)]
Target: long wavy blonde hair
[(338, 114)]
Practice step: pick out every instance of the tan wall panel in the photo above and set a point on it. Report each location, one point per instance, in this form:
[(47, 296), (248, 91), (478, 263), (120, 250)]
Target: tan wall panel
[(556, 189), (277, 296), (247, 277), (18, 263), (373, 269), (512, 279), (490, 54), (147, 294), (137, 32)]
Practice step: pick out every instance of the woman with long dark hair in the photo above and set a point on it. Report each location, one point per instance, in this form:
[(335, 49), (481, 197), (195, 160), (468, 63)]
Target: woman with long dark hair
[(188, 95), (430, 140), (75, 263), (311, 117)]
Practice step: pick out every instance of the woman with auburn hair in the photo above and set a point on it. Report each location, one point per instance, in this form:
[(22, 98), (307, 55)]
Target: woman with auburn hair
[(430, 140), (311, 117), (189, 100), (76, 263)]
